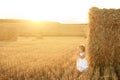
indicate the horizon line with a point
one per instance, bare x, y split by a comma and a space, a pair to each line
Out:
13, 19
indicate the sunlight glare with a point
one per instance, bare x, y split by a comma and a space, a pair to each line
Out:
65, 11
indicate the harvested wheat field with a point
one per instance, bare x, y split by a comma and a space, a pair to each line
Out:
49, 58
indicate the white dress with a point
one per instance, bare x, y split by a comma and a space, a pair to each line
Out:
82, 63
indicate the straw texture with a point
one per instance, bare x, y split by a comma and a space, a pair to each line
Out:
103, 48
8, 34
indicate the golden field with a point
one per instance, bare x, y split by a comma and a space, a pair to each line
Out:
49, 58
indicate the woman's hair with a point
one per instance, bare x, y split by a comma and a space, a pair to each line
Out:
82, 47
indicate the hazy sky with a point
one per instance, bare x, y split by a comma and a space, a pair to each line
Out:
66, 11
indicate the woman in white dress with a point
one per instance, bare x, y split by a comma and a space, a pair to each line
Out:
81, 61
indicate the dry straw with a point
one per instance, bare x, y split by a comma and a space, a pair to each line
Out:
103, 49
8, 33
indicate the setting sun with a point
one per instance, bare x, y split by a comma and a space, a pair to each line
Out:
59, 39
65, 11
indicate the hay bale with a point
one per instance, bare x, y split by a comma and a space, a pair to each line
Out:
8, 33
103, 48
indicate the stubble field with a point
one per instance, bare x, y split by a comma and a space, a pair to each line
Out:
49, 58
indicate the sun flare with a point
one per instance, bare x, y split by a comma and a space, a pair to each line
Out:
65, 11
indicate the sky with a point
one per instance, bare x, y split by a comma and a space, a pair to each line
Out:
64, 11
